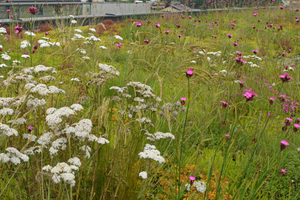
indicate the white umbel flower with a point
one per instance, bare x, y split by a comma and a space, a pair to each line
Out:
109, 69
76, 107
143, 175
200, 186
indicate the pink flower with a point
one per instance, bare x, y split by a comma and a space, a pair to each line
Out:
157, 25
18, 29
255, 51
249, 94
235, 44
146, 41
30, 128
8, 11
297, 20
119, 45
296, 127
189, 72
178, 25
138, 24
283, 171
224, 104
285, 77
285, 143
298, 149
297, 9
192, 178
167, 31
179, 35
46, 33
32, 10
289, 119
268, 115
229, 35
281, 7
227, 135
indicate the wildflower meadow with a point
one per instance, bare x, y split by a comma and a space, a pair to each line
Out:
170, 106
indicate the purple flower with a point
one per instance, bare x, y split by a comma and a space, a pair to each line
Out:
255, 51
229, 35
189, 72
146, 41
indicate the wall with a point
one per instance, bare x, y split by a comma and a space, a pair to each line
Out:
120, 8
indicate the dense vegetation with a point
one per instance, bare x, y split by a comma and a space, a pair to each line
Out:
171, 107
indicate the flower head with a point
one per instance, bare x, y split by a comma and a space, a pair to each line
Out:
138, 24
285, 77
30, 128
255, 51
224, 104
189, 72
229, 35
249, 94
283, 144
119, 45
157, 25
32, 10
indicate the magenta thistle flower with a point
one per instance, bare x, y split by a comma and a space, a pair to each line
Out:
283, 171
229, 35
46, 33
253, 27
297, 9
146, 41
192, 178
255, 51
32, 10
227, 135
167, 31
235, 44
138, 24
224, 104
297, 20
189, 72
249, 94
178, 25
8, 11
157, 25
179, 35
298, 149
119, 45
285, 77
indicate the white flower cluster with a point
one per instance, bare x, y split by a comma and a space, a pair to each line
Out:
118, 89
63, 171
151, 152
45, 139
78, 30
6, 111
109, 69
35, 103
42, 68
200, 186
4, 129
25, 44
2, 30
143, 175
5, 56
42, 89
253, 56
87, 150
252, 64
218, 53
81, 51
144, 120
18, 121
13, 155
60, 143
93, 38
159, 135
118, 37
77, 36
144, 90
54, 118
29, 33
